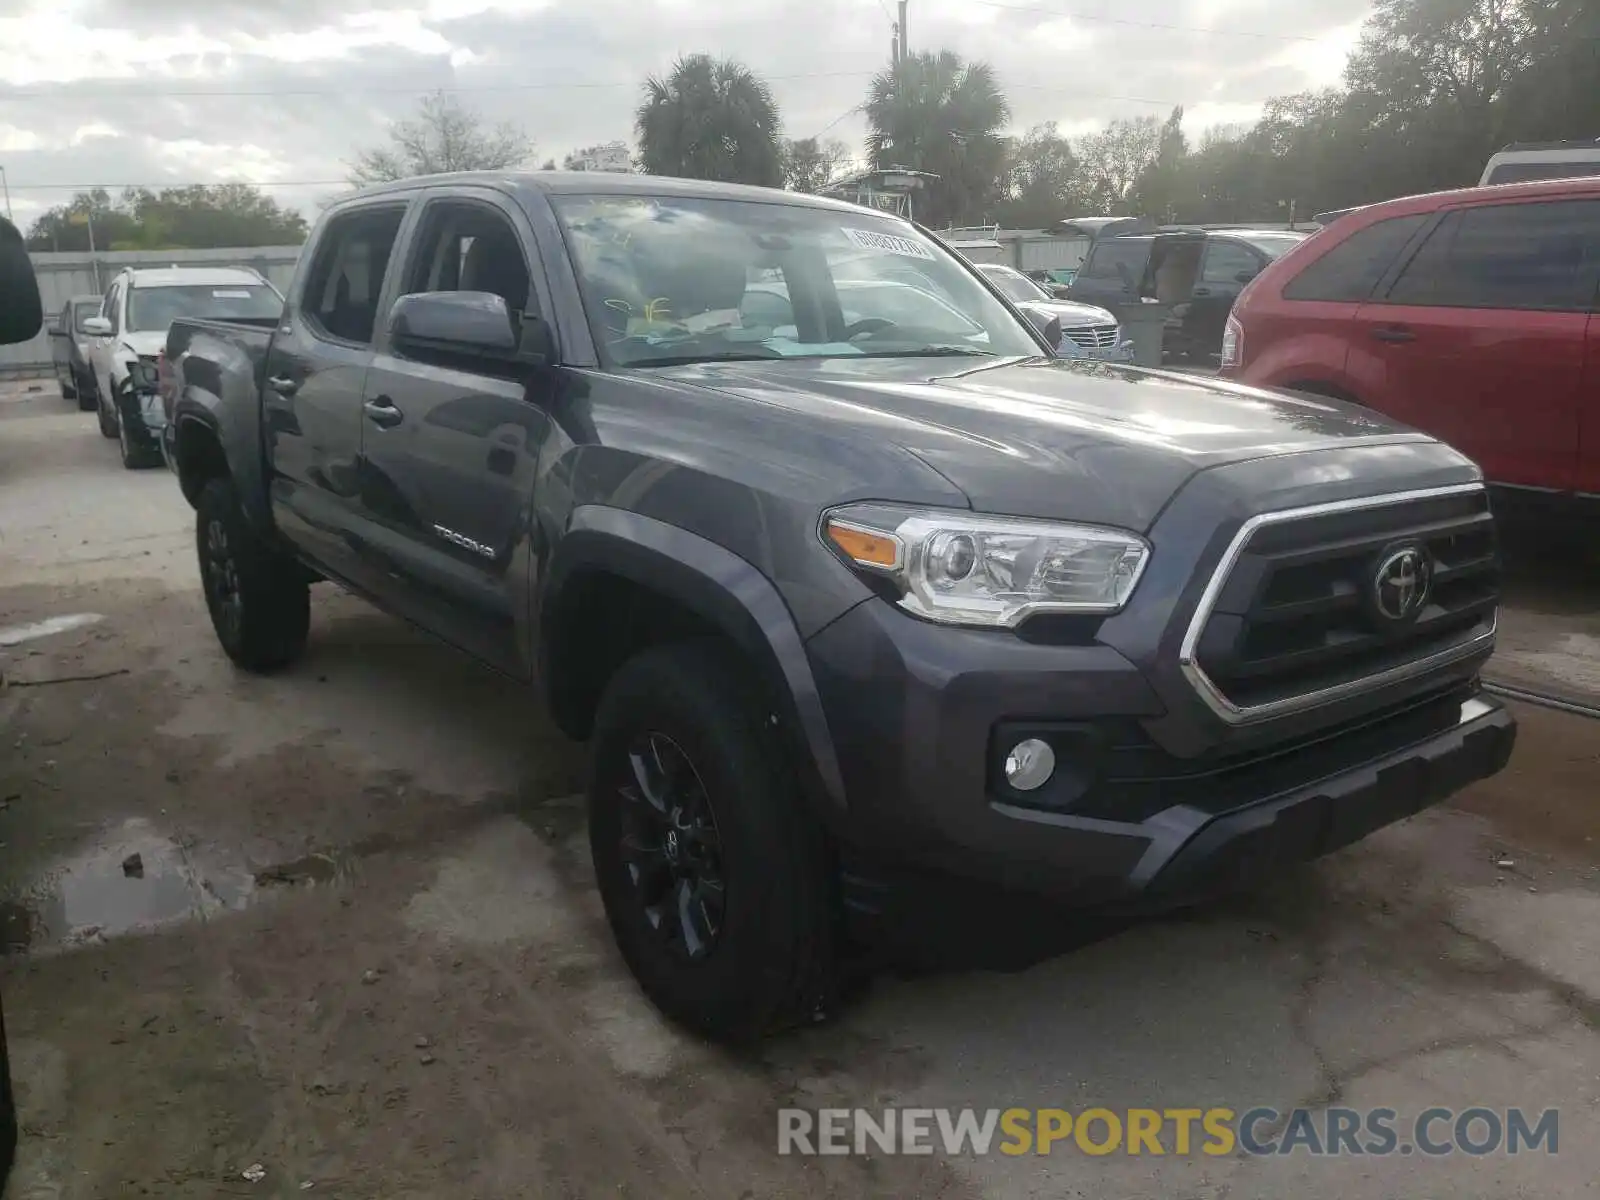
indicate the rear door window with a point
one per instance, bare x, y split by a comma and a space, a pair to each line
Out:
1537, 256
1227, 261
1121, 259
1351, 270
346, 277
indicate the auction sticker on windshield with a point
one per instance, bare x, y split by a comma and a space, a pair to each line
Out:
888, 243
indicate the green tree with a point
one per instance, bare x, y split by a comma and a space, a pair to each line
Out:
809, 164
199, 217
444, 135
1115, 158
710, 119
937, 113
1042, 181
1163, 187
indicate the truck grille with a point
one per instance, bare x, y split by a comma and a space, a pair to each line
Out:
1295, 616
1092, 337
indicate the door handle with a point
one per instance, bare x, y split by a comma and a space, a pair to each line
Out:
283, 385
1201, 291
1394, 335
381, 412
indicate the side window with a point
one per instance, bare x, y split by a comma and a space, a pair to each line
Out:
470, 247
1353, 268
1226, 261
1541, 256
346, 275
1109, 255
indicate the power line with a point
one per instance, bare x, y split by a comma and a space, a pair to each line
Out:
143, 91
1132, 24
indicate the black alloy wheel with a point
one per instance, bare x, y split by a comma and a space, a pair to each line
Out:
671, 848
222, 581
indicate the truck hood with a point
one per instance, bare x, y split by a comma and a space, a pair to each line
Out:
1092, 441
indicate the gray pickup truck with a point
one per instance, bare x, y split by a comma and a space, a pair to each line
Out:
873, 613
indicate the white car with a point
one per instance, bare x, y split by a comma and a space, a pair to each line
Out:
1093, 330
128, 336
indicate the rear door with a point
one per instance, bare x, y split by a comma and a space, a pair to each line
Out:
450, 447
1479, 338
1113, 271
1225, 269
311, 394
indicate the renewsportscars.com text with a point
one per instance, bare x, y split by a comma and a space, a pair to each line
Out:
1433, 1132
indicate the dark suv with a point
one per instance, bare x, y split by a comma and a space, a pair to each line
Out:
863, 604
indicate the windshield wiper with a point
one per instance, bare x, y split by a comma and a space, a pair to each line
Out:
929, 352
707, 356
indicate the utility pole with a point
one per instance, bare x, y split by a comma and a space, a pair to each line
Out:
5, 185
905, 46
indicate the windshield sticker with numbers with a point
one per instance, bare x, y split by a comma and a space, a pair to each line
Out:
886, 243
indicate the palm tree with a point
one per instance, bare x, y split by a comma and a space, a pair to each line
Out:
710, 119
936, 113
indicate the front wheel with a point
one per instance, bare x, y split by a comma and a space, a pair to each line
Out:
713, 875
108, 418
258, 598
134, 455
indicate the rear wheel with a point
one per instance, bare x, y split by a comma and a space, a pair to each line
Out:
713, 875
258, 598
84, 391
69, 390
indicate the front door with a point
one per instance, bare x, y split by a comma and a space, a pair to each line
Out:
450, 448
311, 388
1480, 339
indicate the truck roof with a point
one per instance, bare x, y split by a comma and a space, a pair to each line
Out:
143, 277
609, 183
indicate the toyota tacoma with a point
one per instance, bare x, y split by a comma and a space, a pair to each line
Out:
860, 597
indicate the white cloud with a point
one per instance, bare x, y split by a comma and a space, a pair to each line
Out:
287, 92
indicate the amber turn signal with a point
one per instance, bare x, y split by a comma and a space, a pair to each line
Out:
867, 547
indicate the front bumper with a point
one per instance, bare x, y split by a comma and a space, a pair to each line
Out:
922, 715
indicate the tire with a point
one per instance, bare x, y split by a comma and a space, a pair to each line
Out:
108, 419
69, 389
768, 960
259, 601
85, 394
134, 457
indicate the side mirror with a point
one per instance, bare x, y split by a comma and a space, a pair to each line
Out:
97, 326
21, 314
1048, 325
467, 323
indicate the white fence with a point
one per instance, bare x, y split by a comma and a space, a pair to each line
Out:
62, 276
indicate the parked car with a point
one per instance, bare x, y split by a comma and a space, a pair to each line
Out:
69, 347
1466, 314
1527, 162
131, 328
1090, 330
1197, 274
870, 626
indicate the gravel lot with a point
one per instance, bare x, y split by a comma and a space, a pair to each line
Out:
360, 945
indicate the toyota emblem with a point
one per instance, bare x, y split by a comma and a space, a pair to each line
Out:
1400, 584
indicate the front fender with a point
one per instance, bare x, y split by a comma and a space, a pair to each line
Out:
728, 593
216, 397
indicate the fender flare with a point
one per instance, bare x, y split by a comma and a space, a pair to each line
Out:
723, 589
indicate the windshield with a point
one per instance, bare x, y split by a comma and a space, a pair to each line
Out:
82, 311
669, 280
155, 308
1014, 285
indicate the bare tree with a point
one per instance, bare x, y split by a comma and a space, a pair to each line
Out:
1113, 159
445, 135
809, 164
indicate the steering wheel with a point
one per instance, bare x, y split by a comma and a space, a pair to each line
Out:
866, 325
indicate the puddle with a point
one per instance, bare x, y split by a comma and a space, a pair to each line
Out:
15, 635
92, 895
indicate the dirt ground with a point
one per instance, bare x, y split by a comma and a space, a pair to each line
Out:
360, 946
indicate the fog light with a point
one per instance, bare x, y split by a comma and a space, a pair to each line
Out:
1030, 764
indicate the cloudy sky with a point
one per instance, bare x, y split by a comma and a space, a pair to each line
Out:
284, 93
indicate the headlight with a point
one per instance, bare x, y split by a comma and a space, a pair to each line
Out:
968, 569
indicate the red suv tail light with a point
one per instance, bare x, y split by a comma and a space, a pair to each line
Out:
1232, 344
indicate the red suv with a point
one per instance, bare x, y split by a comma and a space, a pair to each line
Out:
1466, 314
